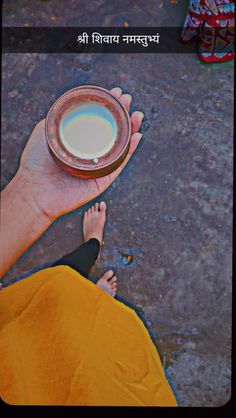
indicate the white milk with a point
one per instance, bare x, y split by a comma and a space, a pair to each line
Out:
88, 130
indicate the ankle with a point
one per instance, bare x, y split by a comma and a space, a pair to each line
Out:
93, 239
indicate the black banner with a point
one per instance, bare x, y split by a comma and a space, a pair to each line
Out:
95, 40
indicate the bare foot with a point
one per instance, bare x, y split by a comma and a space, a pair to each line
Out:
94, 221
108, 282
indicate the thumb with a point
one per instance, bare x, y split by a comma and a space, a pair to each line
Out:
135, 139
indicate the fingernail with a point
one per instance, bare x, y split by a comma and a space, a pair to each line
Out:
140, 136
129, 97
118, 88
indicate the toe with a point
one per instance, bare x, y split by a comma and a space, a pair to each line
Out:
113, 284
108, 275
113, 280
102, 206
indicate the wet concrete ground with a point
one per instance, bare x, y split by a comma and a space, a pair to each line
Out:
171, 208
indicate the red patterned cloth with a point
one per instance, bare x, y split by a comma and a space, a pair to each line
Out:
212, 22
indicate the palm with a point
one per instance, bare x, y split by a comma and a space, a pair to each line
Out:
56, 191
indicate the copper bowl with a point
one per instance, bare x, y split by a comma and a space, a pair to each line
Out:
88, 168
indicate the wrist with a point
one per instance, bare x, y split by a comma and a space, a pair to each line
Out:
22, 221
22, 195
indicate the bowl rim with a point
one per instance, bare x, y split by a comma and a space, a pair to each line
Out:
78, 166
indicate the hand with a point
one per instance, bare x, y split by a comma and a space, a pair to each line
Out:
53, 190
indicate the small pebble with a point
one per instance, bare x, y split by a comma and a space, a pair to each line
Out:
69, 225
126, 258
13, 94
140, 308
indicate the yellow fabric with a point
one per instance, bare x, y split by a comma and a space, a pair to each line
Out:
64, 341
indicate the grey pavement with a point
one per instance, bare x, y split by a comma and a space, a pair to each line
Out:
171, 208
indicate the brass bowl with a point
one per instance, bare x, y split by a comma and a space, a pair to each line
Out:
88, 168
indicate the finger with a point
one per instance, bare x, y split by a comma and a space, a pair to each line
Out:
38, 130
116, 92
126, 99
136, 120
135, 139
41, 124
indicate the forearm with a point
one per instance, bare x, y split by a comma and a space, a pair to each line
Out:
22, 222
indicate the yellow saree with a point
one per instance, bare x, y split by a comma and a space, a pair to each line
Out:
64, 341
